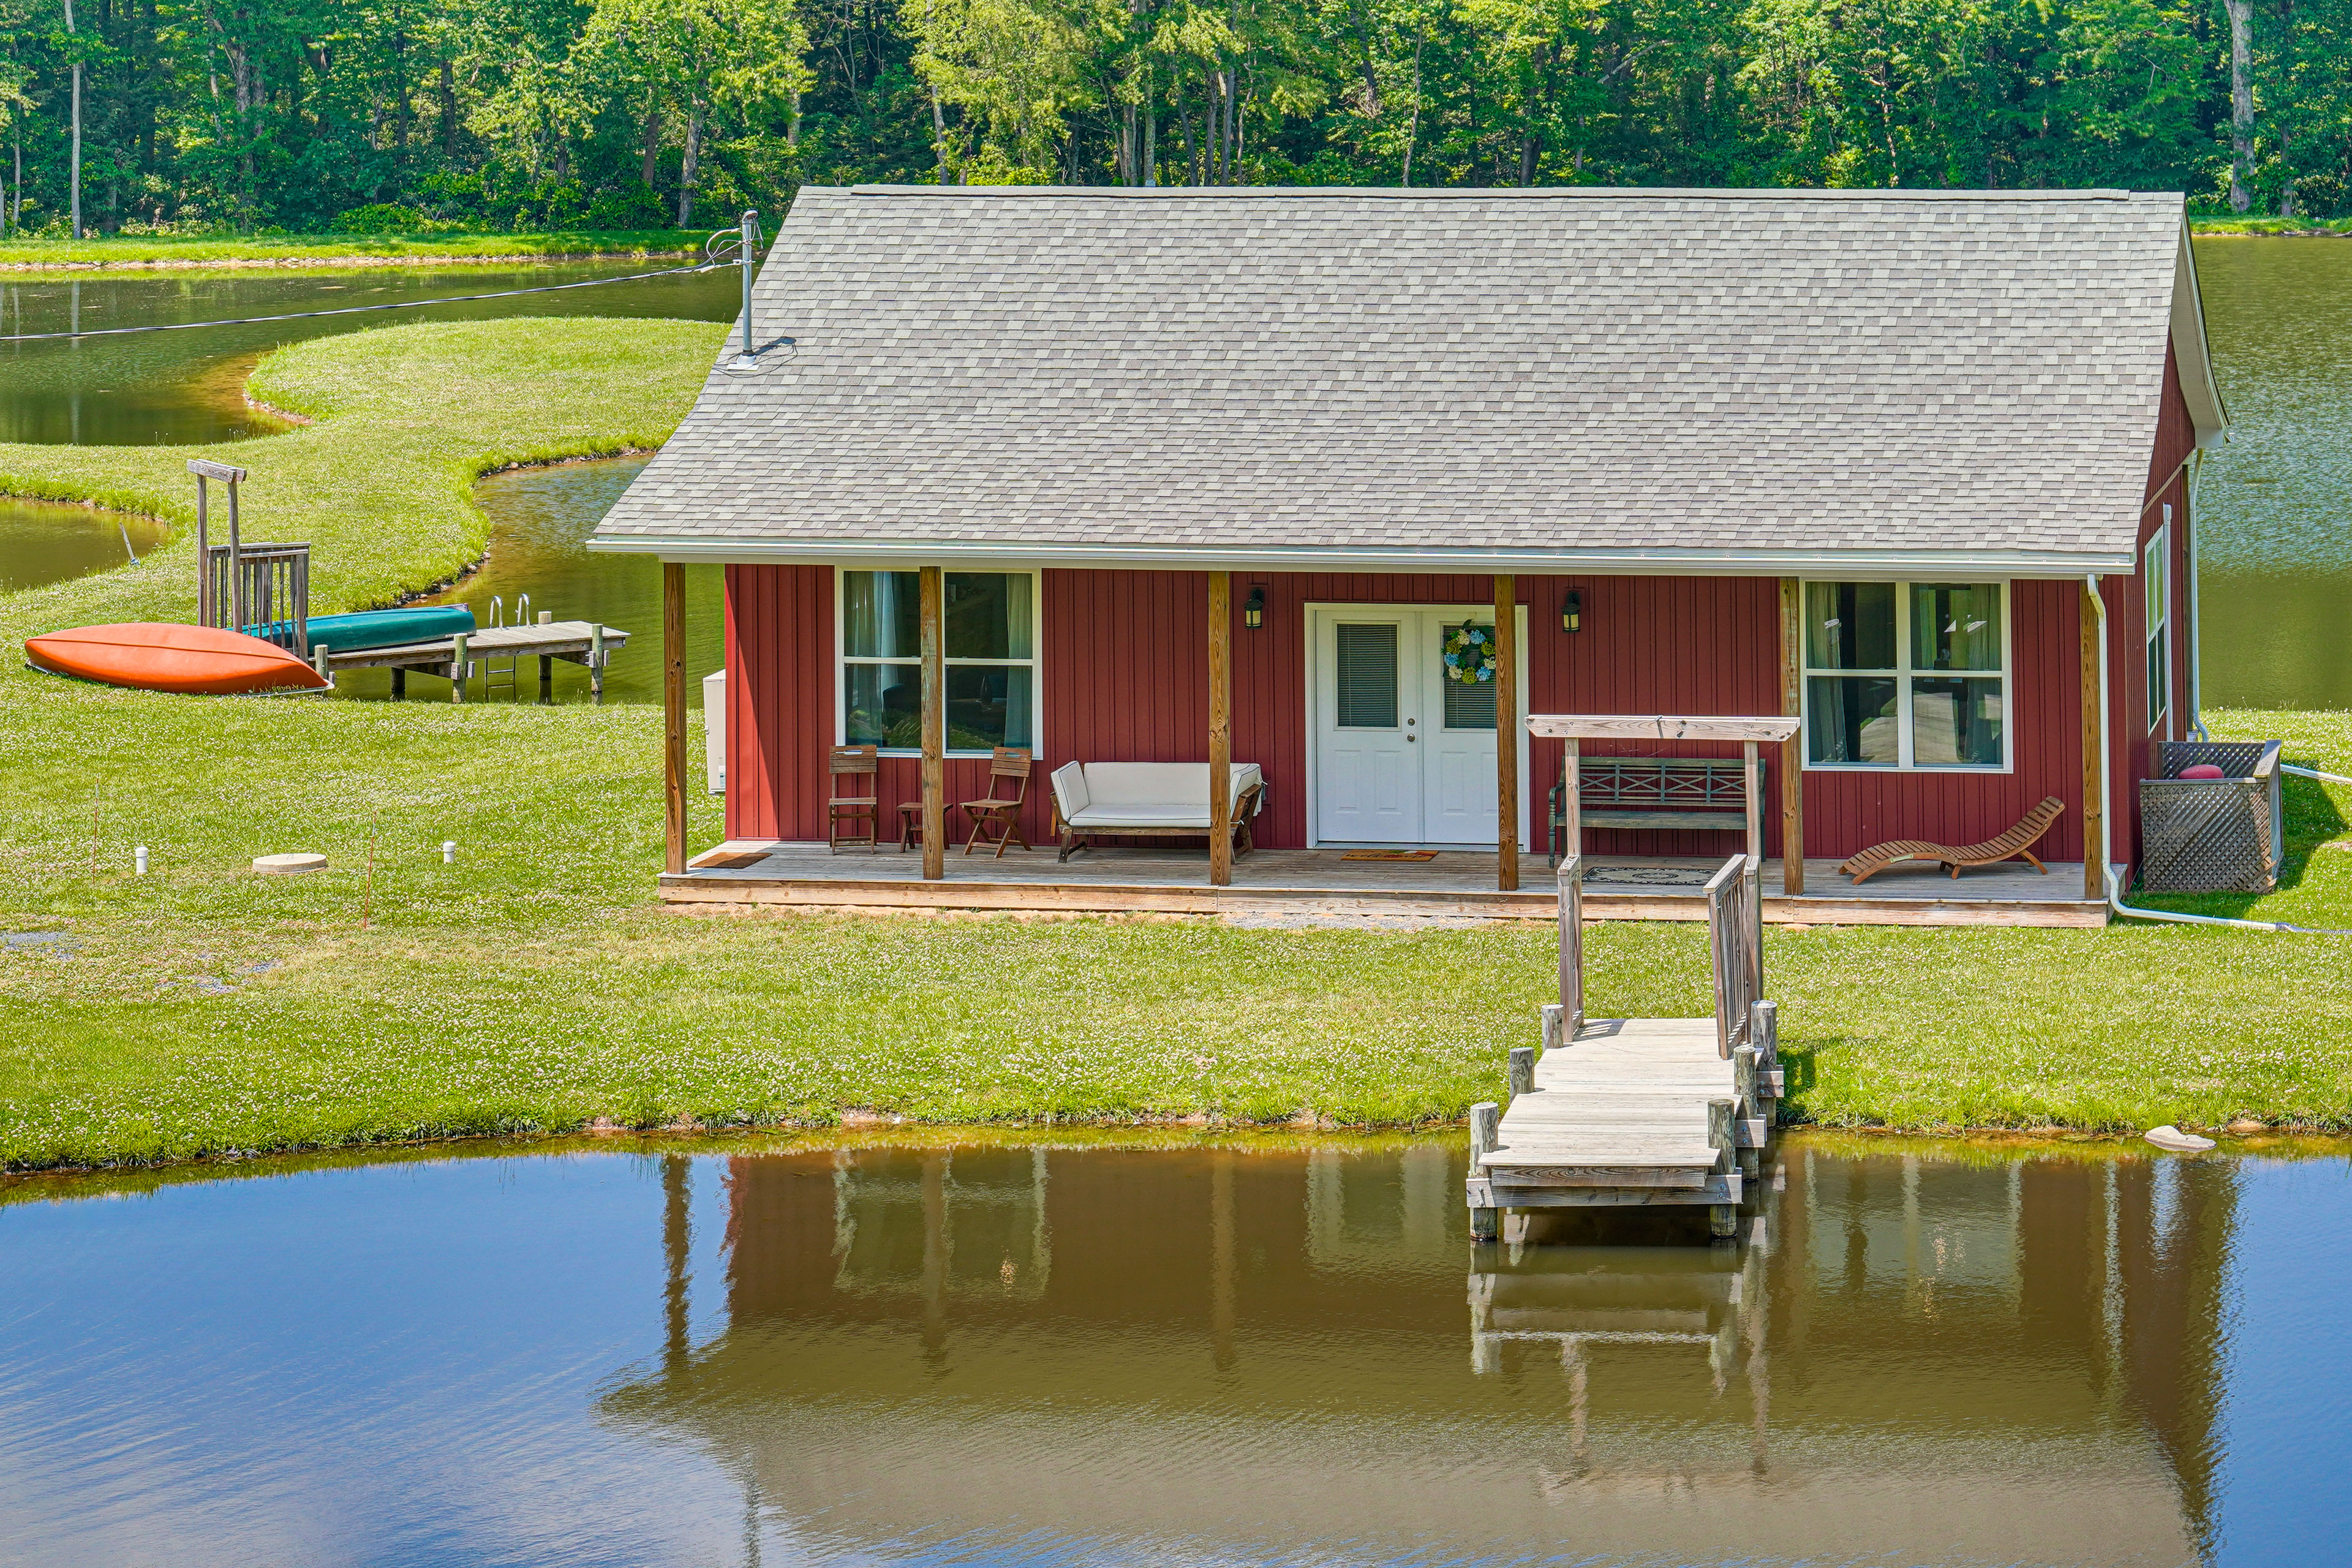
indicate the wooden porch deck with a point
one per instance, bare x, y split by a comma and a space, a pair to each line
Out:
1305, 882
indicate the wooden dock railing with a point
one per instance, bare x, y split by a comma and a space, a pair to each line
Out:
1570, 1019
1735, 940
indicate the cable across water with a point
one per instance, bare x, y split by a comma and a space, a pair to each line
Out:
356, 310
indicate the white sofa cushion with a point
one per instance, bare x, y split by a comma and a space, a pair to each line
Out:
1146, 794
1070, 789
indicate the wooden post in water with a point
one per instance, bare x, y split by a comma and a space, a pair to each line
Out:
935, 729
1722, 1219
1507, 732
1743, 1083
457, 668
1220, 729
674, 716
1486, 1131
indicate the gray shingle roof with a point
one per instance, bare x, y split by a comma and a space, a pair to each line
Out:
1432, 377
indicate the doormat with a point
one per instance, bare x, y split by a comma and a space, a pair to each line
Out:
1390, 855
1646, 876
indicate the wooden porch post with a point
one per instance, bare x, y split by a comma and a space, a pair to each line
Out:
1220, 729
1507, 732
2094, 813
1792, 749
935, 732
673, 711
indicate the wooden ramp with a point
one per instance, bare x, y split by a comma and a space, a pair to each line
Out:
1623, 1111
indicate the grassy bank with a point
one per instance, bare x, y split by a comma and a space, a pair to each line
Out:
328, 251
533, 985
2313, 227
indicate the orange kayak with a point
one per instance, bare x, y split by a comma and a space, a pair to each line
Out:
161, 656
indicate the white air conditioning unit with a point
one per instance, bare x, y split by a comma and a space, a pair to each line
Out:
714, 729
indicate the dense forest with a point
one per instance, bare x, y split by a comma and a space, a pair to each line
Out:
311, 115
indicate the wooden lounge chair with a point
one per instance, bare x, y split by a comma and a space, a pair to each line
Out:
1002, 815
2009, 846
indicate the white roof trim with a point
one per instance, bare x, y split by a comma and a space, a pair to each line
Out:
1827, 564
2192, 355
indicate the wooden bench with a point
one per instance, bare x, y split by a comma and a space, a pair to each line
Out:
1678, 794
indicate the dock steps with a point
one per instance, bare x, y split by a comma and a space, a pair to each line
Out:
1629, 1111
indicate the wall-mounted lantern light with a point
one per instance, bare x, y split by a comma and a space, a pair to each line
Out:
1253, 610
1572, 612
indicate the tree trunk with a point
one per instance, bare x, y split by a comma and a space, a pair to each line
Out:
1413, 125
1150, 133
400, 116
1184, 125
1528, 155
653, 141
793, 126
688, 165
449, 112
74, 177
2242, 103
939, 131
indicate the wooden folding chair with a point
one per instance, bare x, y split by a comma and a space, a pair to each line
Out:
1005, 816
861, 766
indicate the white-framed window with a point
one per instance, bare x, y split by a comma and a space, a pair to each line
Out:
2154, 563
1907, 675
988, 624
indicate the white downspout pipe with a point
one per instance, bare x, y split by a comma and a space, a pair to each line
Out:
2107, 798
2194, 523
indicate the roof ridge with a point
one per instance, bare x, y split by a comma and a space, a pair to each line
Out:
1395, 193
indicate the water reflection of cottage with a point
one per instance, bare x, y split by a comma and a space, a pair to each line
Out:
1106, 1354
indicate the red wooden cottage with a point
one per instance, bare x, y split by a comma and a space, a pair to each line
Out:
1231, 474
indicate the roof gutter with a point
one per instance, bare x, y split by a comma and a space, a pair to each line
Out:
1842, 564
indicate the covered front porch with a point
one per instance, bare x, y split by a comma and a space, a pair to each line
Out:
1310, 884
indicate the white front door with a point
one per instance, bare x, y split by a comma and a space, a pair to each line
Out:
1366, 727
1402, 753
1457, 797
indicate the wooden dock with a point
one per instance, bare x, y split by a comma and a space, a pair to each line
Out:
1623, 1112
457, 659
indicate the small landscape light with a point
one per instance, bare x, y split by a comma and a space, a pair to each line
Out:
1253, 610
448, 852
1572, 612
139, 859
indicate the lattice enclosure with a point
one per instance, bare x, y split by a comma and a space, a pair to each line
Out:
2212, 835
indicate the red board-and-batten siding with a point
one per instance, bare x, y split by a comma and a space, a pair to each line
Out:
1126, 680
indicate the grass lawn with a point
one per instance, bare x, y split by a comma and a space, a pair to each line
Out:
533, 985
327, 249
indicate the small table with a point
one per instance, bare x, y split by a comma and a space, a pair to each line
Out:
910, 824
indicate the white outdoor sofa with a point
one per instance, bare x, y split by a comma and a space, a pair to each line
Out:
1147, 800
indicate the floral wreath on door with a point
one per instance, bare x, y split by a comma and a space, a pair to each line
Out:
1470, 653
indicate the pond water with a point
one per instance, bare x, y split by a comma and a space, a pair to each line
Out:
1253, 1353
44, 544
541, 520
188, 387
2277, 554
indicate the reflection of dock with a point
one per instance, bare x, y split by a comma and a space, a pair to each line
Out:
454, 660
1552, 1299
